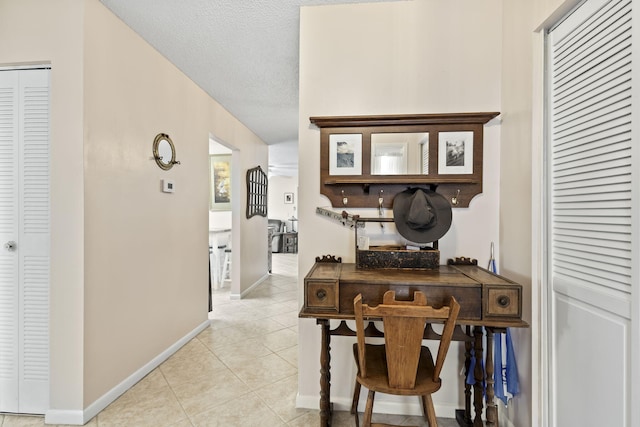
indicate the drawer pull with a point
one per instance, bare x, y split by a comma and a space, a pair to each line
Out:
321, 294
503, 301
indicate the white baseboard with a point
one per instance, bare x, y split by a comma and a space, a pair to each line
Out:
60, 416
503, 418
409, 406
252, 287
81, 417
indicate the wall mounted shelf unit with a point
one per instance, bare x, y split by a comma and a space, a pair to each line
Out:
366, 160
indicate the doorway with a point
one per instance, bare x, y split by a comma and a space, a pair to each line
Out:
224, 222
25, 237
282, 206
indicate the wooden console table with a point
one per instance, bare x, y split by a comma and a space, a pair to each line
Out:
486, 300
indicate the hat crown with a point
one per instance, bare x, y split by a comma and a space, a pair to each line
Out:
421, 216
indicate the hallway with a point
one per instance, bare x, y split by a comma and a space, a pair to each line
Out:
239, 372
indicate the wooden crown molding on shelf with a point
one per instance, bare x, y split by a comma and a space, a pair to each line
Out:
403, 119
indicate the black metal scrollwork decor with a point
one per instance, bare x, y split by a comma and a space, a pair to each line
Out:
257, 184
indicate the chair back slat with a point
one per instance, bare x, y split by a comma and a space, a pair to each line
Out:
357, 308
402, 338
445, 339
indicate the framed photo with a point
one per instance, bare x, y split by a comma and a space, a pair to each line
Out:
288, 198
455, 153
220, 182
345, 154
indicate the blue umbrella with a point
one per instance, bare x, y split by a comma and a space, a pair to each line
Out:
492, 262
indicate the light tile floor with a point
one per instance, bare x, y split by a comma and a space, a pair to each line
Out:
239, 372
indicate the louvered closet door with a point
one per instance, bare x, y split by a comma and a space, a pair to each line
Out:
589, 217
24, 240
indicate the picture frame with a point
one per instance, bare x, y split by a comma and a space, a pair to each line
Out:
455, 153
345, 154
288, 198
220, 182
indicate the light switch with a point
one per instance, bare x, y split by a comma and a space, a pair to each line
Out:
168, 186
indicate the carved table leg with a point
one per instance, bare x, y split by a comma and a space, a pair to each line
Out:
325, 374
478, 374
463, 417
492, 409
467, 386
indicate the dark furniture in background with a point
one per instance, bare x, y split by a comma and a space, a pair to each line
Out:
282, 241
290, 242
278, 228
269, 253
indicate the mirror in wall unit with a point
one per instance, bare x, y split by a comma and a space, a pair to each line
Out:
367, 158
164, 152
400, 153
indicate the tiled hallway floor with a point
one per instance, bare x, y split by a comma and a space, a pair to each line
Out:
241, 371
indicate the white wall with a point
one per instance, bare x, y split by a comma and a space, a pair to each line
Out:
156, 243
129, 265
278, 209
515, 195
391, 58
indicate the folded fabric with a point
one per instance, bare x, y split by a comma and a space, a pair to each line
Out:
505, 368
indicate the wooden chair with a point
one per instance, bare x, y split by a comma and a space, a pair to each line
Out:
401, 366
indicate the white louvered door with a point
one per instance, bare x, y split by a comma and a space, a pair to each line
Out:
589, 215
24, 240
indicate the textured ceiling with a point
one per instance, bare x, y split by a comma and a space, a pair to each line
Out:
244, 53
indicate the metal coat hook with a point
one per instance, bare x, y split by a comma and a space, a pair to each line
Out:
380, 211
454, 199
345, 200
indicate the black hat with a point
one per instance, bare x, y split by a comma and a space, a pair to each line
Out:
421, 215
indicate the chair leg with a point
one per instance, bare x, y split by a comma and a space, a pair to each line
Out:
356, 398
366, 422
429, 412
424, 407
354, 404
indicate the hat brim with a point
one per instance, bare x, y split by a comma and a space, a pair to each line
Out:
440, 206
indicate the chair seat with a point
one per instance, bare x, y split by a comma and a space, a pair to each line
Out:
377, 375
